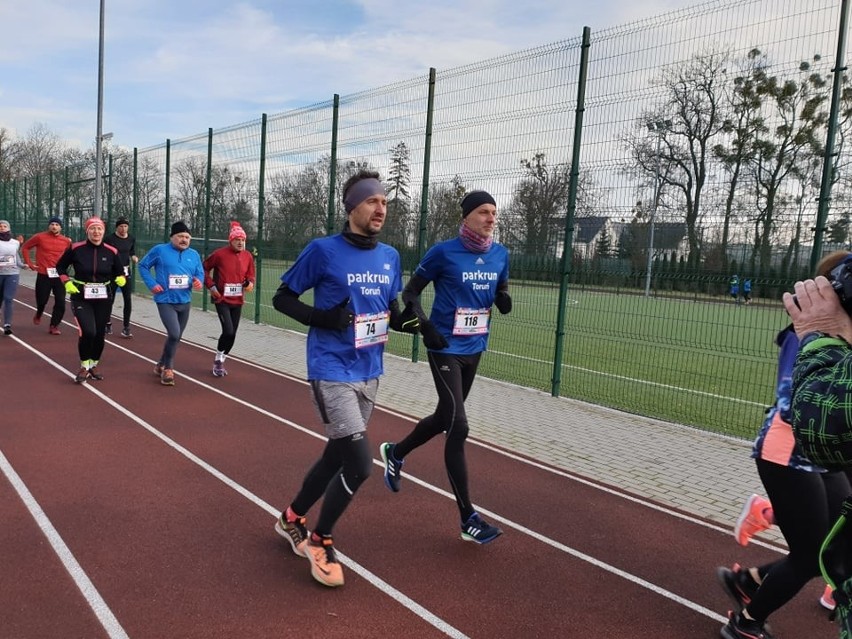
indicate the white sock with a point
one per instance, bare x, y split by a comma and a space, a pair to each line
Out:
220, 356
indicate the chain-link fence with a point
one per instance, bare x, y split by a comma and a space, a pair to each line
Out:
637, 171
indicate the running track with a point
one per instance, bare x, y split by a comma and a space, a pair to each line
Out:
130, 509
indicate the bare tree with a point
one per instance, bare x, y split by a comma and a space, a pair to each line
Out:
695, 103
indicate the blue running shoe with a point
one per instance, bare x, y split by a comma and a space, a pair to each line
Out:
479, 531
393, 467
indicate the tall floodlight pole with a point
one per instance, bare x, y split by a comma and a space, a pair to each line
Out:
99, 137
659, 127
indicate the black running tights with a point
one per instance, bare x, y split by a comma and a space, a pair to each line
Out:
806, 505
453, 376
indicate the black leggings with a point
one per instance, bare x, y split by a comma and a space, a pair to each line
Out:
345, 465
229, 318
806, 505
127, 296
44, 286
453, 376
91, 316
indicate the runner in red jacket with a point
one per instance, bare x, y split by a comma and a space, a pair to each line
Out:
49, 246
229, 274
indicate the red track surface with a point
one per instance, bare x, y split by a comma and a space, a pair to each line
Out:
175, 550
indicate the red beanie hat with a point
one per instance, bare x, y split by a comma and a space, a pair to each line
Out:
95, 221
236, 232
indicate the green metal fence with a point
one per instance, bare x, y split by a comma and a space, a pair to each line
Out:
635, 169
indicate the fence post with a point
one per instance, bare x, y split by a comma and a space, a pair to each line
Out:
166, 220
332, 170
109, 211
135, 212
828, 161
567, 250
261, 212
207, 196
424, 192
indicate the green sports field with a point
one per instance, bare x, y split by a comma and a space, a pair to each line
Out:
704, 362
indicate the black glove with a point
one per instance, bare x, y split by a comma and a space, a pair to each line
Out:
406, 321
337, 318
432, 339
503, 302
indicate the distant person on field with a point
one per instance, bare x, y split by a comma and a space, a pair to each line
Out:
229, 275
804, 501
470, 274
49, 246
11, 264
355, 281
95, 265
747, 290
734, 287
177, 271
125, 244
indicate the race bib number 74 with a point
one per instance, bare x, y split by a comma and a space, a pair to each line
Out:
371, 329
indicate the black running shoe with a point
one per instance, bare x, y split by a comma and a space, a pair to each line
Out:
738, 583
738, 627
393, 467
7, 330
479, 531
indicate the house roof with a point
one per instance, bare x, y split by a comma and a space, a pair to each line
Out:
669, 235
586, 229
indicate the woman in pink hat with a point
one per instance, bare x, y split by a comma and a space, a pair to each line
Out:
95, 266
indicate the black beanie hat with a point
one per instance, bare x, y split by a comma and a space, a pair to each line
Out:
179, 227
122, 220
475, 199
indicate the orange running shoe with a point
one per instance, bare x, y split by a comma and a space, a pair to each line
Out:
827, 599
294, 532
168, 377
752, 519
324, 565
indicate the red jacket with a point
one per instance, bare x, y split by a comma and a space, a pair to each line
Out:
229, 268
49, 248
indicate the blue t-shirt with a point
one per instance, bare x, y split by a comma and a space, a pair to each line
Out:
371, 279
465, 286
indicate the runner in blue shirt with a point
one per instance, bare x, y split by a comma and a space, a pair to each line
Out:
355, 281
177, 272
470, 274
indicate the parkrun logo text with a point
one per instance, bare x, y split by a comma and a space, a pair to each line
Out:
368, 278
479, 280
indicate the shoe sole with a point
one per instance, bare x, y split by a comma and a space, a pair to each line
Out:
388, 483
744, 513
297, 548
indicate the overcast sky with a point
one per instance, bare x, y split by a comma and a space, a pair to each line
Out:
173, 68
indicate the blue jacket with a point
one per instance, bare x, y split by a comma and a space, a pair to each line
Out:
174, 270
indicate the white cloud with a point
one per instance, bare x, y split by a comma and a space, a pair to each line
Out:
175, 67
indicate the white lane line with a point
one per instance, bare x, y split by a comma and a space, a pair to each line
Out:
546, 540
87, 588
376, 581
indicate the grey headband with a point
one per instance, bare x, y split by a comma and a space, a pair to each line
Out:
360, 191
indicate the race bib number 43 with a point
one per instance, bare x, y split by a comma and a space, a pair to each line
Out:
471, 321
95, 291
371, 329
